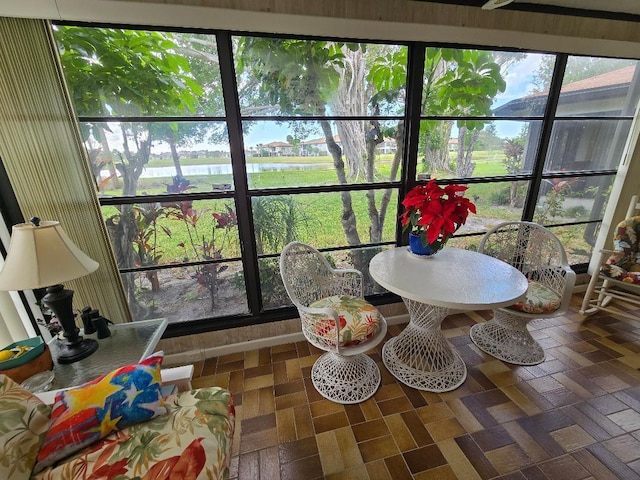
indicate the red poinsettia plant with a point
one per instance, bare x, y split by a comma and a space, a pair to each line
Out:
434, 212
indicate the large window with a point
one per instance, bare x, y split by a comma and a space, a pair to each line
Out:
211, 151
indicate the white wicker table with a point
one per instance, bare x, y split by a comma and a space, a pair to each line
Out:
431, 288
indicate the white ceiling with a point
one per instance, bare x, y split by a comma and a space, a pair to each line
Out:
620, 6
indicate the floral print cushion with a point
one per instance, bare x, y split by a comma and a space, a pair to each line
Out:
624, 264
191, 442
359, 320
24, 420
539, 299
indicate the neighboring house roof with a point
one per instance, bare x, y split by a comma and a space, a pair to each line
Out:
320, 141
276, 144
616, 77
606, 86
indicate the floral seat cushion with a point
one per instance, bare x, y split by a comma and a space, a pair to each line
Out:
624, 264
539, 299
192, 441
24, 421
359, 320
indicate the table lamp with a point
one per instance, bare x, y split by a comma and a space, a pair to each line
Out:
41, 255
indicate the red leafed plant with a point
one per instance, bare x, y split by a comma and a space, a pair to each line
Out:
434, 212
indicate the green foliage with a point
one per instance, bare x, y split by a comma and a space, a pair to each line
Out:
500, 196
294, 74
388, 75
461, 82
553, 204
578, 68
277, 221
513, 155
127, 72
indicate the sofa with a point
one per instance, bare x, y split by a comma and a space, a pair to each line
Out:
188, 436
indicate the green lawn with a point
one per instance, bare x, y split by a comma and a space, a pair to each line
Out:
320, 214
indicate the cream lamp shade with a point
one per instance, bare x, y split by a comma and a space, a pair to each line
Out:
41, 256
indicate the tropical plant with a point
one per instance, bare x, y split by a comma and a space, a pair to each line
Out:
553, 204
146, 239
126, 73
513, 155
201, 247
278, 220
205, 249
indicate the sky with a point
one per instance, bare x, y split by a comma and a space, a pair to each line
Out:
518, 84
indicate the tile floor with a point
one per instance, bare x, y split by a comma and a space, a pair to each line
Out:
575, 416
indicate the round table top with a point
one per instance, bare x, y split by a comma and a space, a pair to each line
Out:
454, 278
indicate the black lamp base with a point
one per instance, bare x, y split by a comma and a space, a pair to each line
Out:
72, 353
74, 347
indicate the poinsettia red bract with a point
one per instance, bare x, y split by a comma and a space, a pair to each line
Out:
435, 212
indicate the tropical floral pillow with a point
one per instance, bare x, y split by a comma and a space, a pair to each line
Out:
85, 414
624, 264
24, 420
191, 442
359, 320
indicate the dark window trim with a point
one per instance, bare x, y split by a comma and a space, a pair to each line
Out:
242, 194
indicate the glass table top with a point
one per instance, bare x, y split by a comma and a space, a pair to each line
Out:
128, 344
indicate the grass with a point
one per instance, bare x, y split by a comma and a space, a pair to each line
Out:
321, 212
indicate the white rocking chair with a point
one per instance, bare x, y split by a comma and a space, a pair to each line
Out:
335, 318
539, 255
617, 279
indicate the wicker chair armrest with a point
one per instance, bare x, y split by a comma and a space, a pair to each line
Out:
570, 281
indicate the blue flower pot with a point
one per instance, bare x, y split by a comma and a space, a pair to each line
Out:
417, 248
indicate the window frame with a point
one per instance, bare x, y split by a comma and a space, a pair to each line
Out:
242, 194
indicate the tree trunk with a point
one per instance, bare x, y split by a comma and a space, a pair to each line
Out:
464, 165
395, 166
174, 155
350, 99
373, 138
122, 236
437, 148
115, 182
348, 219
123, 231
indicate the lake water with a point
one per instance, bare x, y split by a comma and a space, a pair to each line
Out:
224, 169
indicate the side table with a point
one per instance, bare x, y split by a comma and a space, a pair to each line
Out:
129, 343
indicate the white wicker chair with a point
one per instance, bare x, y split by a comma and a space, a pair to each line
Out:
344, 374
540, 256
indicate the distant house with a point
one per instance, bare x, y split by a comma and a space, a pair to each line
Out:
453, 144
387, 146
593, 144
276, 149
612, 93
316, 146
